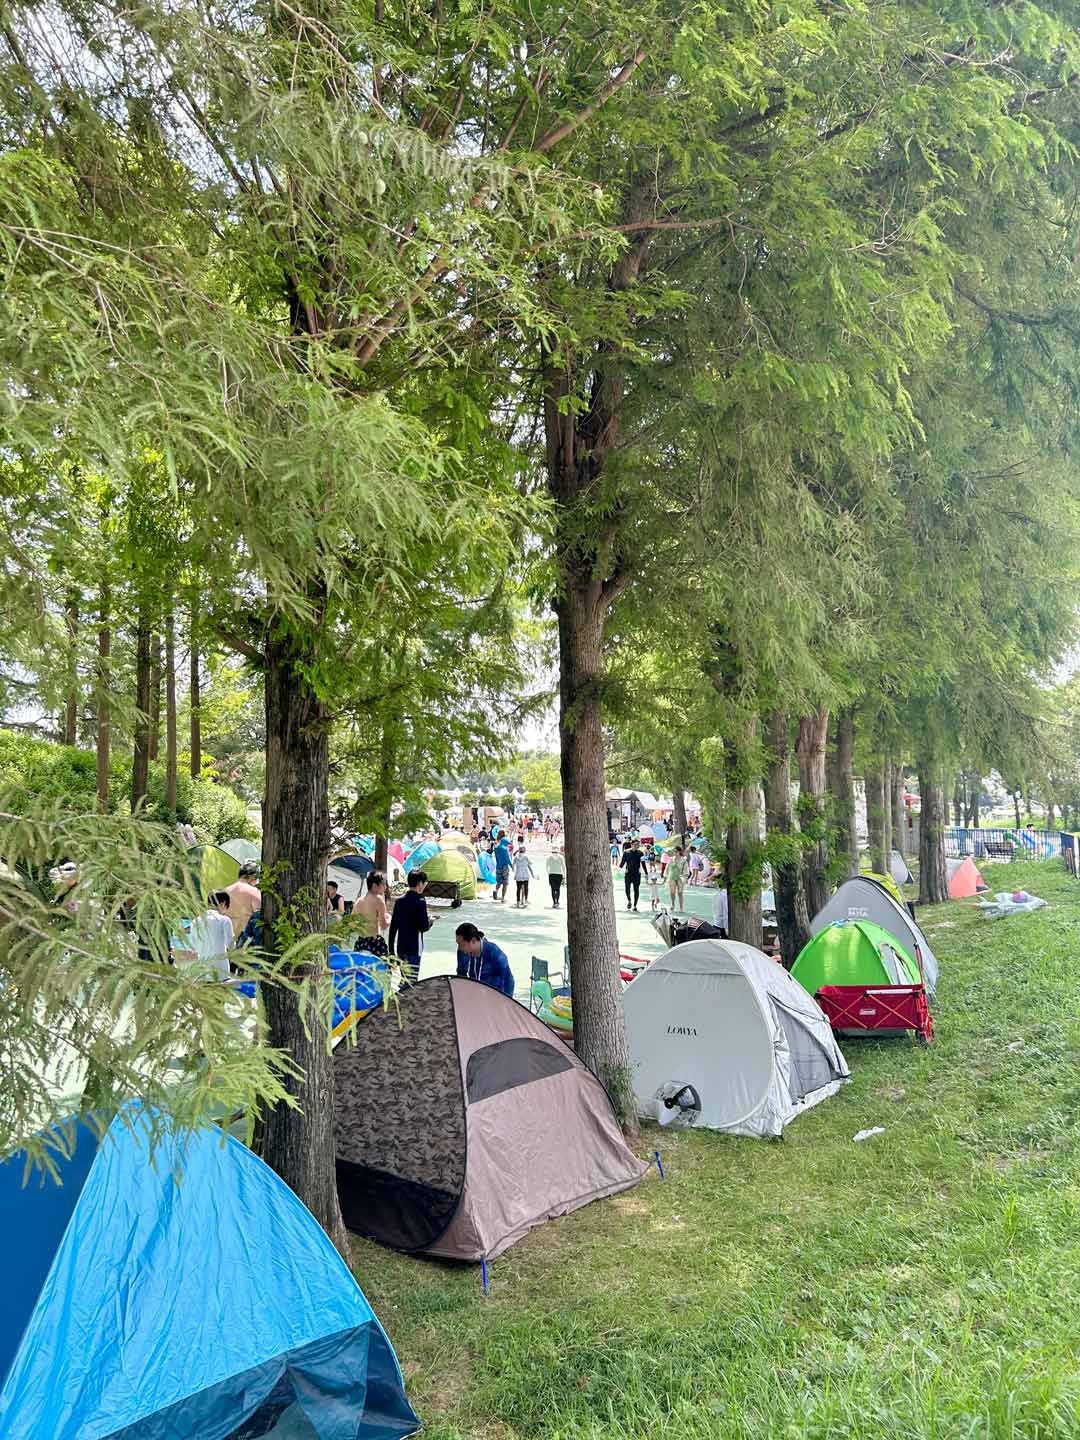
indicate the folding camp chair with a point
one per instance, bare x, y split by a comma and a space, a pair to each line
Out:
540, 971
540, 994
541, 989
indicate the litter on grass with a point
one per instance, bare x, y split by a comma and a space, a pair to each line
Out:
866, 1134
1009, 902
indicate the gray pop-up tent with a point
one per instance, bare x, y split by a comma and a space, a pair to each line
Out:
719, 1031
898, 869
866, 899
466, 1122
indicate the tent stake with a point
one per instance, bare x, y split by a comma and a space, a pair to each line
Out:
483, 1274
659, 1165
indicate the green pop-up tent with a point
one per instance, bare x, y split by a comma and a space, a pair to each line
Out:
854, 952
213, 867
452, 865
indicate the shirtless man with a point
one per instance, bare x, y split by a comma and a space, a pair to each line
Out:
244, 896
370, 915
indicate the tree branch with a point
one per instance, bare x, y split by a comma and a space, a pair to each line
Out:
560, 132
1015, 317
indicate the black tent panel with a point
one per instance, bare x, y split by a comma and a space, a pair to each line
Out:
395, 1211
399, 1121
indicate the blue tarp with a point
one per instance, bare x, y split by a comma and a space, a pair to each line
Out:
357, 986
189, 1292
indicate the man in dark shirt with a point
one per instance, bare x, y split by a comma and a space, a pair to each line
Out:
631, 863
409, 920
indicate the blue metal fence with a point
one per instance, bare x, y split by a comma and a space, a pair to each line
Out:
1002, 844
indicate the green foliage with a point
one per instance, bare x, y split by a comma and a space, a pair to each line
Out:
38, 772
232, 723
788, 290
541, 781
35, 773
90, 1012
218, 813
155, 807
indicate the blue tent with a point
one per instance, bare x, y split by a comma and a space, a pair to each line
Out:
357, 864
184, 1293
358, 986
416, 857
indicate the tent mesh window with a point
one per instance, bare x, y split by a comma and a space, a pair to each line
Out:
508, 1063
399, 1126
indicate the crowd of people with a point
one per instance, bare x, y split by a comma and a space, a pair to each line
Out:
673, 868
395, 930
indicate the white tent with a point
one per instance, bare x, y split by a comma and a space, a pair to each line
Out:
719, 1022
650, 803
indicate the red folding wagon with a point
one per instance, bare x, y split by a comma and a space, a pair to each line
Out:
888, 1009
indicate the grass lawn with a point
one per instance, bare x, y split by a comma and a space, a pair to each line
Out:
920, 1284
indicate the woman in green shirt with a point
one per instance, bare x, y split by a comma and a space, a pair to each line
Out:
676, 878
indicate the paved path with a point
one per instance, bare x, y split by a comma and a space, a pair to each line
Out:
541, 930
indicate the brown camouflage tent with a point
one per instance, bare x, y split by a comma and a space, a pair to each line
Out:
465, 1123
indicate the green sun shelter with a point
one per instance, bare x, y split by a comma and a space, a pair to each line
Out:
854, 952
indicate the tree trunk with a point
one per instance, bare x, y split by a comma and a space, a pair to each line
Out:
886, 813
599, 1029
140, 765
842, 788
813, 810
933, 883
170, 714
744, 838
1051, 823
875, 817
156, 670
298, 1143
793, 924
1016, 808
577, 444
958, 801
899, 810
103, 706
974, 784
679, 815
71, 708
386, 799
196, 701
